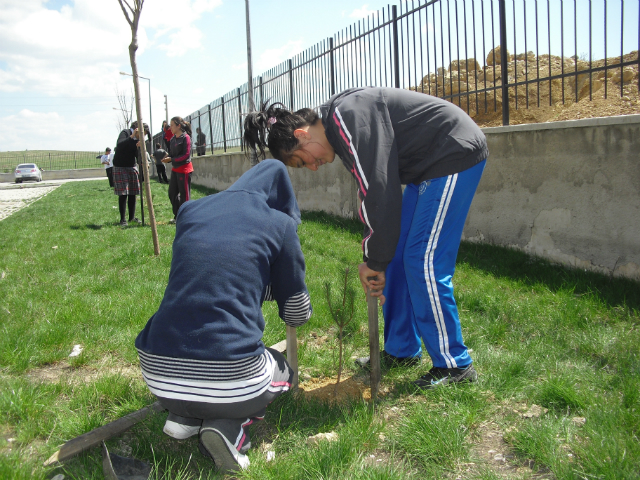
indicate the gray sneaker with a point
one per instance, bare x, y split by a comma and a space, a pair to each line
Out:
443, 376
215, 444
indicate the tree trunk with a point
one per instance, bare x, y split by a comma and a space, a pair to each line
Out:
143, 148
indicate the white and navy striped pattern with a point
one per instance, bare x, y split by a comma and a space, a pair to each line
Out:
206, 380
268, 295
297, 309
429, 270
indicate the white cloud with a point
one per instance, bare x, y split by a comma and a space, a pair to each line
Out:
363, 12
273, 56
46, 128
77, 51
174, 19
80, 47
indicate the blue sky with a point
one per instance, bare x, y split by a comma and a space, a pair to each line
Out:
60, 59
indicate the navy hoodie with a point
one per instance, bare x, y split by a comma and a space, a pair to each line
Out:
228, 249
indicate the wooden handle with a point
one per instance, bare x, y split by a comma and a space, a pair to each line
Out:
374, 343
292, 354
94, 437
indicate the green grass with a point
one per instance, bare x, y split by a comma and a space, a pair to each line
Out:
49, 159
564, 339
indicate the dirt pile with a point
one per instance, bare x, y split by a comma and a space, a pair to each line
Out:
582, 95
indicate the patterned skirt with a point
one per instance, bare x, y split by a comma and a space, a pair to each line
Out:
126, 181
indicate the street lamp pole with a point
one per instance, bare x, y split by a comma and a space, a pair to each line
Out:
150, 120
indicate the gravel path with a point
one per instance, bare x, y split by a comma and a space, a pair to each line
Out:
13, 199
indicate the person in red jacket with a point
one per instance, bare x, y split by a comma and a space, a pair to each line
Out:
166, 134
180, 158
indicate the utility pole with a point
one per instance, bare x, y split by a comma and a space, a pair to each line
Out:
252, 106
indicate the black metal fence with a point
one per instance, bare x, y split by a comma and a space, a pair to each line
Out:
51, 160
556, 51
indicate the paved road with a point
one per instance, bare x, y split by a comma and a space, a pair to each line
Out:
13, 196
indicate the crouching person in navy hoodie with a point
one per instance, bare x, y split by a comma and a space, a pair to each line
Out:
202, 353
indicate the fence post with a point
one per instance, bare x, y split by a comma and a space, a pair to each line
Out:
240, 118
503, 61
291, 83
75, 163
261, 93
396, 51
49, 160
210, 129
224, 129
333, 69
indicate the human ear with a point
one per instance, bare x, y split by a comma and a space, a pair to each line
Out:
302, 135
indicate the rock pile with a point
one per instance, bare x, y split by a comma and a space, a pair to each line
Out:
485, 107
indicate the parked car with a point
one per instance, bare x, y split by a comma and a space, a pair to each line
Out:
28, 171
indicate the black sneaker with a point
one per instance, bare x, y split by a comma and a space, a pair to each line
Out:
123, 223
215, 445
389, 361
135, 220
438, 376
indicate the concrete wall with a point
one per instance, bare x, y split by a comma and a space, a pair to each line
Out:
61, 174
330, 189
566, 191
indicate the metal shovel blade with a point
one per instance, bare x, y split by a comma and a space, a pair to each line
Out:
116, 467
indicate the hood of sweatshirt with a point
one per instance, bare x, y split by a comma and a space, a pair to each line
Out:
270, 180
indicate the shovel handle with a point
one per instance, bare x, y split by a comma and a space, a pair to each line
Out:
374, 342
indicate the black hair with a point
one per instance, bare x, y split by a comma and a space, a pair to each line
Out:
184, 126
134, 125
273, 126
107, 149
157, 145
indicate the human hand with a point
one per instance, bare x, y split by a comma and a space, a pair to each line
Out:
135, 134
374, 281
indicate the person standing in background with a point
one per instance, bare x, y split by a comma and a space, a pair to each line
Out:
125, 171
159, 154
107, 161
201, 142
166, 135
180, 158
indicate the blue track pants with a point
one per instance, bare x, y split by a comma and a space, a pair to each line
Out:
419, 288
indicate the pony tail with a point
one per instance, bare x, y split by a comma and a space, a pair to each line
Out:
186, 126
256, 128
273, 127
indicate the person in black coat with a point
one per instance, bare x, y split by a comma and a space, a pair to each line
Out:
125, 171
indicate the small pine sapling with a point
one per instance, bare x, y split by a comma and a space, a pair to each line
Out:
342, 314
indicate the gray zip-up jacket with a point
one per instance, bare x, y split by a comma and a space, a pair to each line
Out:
387, 137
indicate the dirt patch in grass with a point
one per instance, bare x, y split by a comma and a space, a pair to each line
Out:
491, 454
324, 389
63, 370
